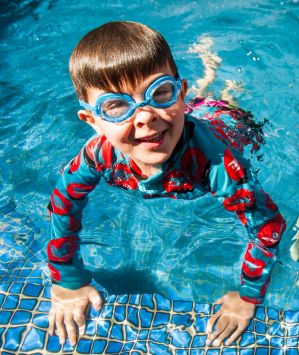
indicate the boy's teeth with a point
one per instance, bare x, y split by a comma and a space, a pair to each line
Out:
156, 137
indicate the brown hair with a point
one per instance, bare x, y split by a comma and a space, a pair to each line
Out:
115, 54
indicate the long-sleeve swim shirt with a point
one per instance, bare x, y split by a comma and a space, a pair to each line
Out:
207, 159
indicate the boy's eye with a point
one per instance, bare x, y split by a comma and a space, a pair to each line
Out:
115, 108
163, 93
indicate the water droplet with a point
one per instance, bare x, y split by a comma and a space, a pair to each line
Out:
240, 69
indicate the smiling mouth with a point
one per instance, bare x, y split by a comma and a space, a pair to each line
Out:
154, 138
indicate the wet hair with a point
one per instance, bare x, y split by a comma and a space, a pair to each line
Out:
118, 54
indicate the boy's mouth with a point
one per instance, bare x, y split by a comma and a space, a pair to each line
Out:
153, 138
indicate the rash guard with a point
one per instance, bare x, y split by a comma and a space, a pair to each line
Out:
207, 159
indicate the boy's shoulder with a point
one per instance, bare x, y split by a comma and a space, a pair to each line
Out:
218, 120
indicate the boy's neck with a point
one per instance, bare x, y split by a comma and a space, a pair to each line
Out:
147, 170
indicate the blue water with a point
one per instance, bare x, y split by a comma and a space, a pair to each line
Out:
189, 250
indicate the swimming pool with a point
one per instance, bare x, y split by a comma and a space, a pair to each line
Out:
257, 43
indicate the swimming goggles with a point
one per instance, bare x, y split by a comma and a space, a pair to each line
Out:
115, 108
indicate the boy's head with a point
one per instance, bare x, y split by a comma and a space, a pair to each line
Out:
117, 55
132, 64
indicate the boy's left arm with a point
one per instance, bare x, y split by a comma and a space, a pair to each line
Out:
233, 183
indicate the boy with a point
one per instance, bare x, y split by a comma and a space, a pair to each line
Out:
128, 84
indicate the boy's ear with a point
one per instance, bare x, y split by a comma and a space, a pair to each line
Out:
86, 116
184, 88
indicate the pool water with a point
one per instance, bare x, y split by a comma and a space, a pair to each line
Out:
145, 246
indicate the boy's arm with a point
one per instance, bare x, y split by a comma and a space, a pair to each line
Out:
70, 292
67, 201
233, 183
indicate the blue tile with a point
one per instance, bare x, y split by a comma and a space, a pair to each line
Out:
161, 319
247, 339
114, 347
84, 346
90, 328
47, 292
197, 352
262, 340
143, 334
292, 352
182, 306
158, 348
11, 302
160, 335
262, 351
202, 308
200, 324
28, 304
246, 351
134, 300
292, 342
131, 333
13, 338
53, 344
128, 346
147, 301
276, 341
184, 319
98, 346
141, 346
260, 313
212, 352
229, 351
293, 330
146, 318
277, 352
120, 313
103, 327
41, 320
4, 317
163, 304
67, 347
34, 340
122, 299
180, 338
1, 299
273, 314
198, 341
21, 317
107, 311
44, 306
16, 288
116, 332
32, 290
133, 315
1, 332
260, 327
291, 316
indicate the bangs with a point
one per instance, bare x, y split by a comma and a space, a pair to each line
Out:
118, 55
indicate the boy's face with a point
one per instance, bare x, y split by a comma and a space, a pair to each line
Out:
151, 134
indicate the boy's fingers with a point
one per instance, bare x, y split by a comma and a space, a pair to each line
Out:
61, 332
95, 299
228, 331
70, 328
234, 336
79, 318
51, 318
211, 322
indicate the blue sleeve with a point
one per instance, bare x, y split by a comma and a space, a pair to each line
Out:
238, 189
67, 201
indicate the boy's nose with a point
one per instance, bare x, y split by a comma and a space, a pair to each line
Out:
143, 116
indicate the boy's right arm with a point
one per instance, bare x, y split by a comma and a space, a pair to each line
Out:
70, 290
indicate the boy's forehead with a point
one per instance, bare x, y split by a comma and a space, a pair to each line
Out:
128, 87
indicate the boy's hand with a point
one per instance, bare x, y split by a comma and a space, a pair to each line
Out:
232, 319
68, 307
